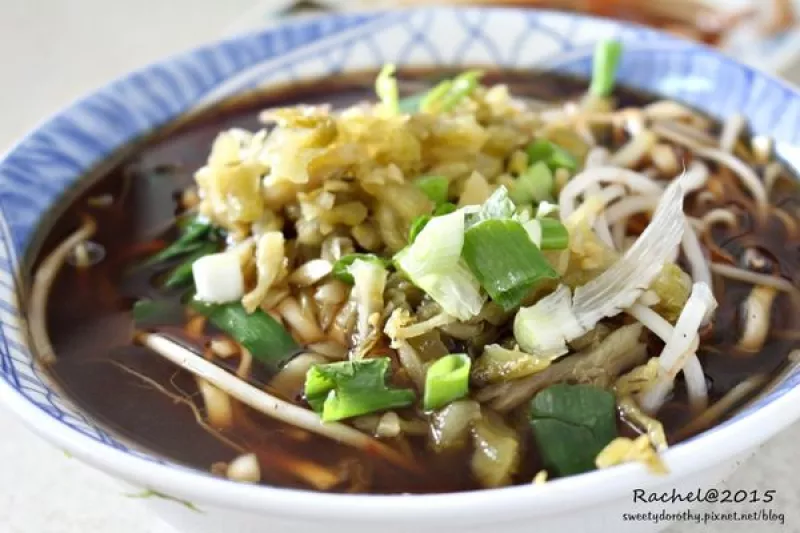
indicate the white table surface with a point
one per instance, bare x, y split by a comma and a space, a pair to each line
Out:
52, 51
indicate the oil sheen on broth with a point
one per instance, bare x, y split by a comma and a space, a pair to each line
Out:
91, 326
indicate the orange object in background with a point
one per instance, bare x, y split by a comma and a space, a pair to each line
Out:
694, 19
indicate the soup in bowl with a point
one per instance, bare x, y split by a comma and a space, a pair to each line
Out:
399, 289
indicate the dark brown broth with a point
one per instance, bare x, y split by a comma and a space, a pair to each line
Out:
90, 323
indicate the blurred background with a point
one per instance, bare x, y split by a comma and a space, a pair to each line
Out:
52, 51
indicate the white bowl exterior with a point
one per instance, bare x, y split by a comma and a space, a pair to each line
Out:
42, 167
598, 518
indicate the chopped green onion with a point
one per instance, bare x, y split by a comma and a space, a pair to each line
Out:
268, 342
505, 260
419, 223
341, 267
387, 91
353, 388
434, 187
444, 209
429, 101
433, 263
604, 69
554, 234
148, 313
182, 274
447, 380
534, 185
571, 425
193, 232
551, 154
498, 206
449, 93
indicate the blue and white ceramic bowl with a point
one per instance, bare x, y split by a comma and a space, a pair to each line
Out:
42, 167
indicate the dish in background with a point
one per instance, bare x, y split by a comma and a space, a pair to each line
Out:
764, 33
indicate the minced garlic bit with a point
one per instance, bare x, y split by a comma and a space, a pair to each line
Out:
625, 450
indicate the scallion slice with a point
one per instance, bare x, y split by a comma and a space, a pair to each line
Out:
447, 380
434, 187
444, 209
353, 388
433, 263
534, 185
448, 94
191, 235
505, 260
148, 313
607, 54
498, 206
387, 91
551, 154
268, 342
554, 234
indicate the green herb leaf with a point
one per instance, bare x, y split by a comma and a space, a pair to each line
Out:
434, 187
268, 342
353, 388
182, 274
341, 267
505, 261
447, 380
604, 69
571, 425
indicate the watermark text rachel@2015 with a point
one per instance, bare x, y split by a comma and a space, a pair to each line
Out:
705, 496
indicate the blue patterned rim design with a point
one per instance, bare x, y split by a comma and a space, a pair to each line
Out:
44, 165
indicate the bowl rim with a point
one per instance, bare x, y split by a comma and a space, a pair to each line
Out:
707, 450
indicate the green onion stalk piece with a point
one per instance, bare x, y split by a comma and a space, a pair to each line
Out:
447, 380
434, 187
604, 69
268, 342
387, 91
181, 276
551, 154
448, 94
554, 234
505, 261
192, 235
433, 263
149, 313
353, 388
534, 185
